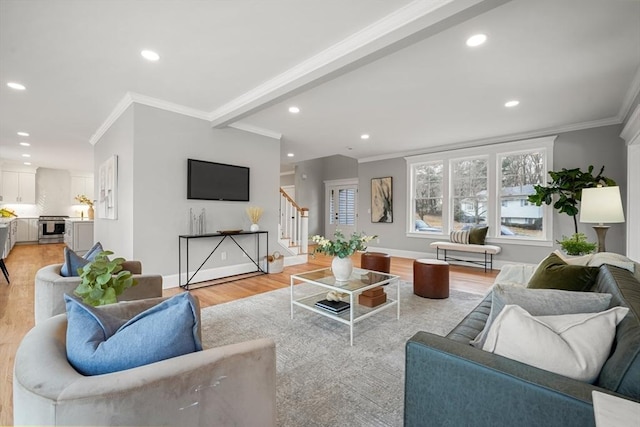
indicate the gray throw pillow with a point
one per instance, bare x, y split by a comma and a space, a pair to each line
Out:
541, 302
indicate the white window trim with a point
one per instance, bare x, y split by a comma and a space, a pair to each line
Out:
492, 152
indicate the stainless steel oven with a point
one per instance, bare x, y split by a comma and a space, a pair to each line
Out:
51, 228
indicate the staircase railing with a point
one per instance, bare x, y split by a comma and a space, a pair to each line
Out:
294, 222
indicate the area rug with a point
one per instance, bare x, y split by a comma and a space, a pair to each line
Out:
321, 379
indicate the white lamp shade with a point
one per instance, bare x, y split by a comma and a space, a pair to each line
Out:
600, 205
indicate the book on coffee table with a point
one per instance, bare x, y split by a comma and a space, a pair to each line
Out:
333, 306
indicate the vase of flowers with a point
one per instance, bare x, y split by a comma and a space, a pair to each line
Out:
82, 199
254, 213
341, 249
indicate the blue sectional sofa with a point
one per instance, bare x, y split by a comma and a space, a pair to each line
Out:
448, 382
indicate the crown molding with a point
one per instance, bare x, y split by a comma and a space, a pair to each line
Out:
496, 140
120, 108
257, 130
632, 94
399, 25
631, 131
169, 106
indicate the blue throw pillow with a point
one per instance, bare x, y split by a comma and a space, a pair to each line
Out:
73, 261
99, 343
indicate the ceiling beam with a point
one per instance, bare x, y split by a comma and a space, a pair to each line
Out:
407, 25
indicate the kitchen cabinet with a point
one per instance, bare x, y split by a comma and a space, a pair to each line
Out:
78, 235
81, 185
12, 225
18, 187
27, 229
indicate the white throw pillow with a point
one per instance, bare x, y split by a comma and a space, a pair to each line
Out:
573, 345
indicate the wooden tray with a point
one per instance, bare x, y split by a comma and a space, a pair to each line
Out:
229, 231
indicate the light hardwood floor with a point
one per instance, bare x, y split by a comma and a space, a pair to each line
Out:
16, 299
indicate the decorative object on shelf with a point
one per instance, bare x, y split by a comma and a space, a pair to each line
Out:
600, 205
335, 296
236, 231
7, 213
254, 213
197, 225
103, 280
84, 200
382, 199
341, 249
108, 188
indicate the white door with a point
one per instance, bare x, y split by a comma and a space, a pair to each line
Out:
341, 208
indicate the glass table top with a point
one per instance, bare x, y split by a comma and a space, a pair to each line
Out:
359, 278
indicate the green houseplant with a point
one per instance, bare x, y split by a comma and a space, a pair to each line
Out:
567, 185
103, 280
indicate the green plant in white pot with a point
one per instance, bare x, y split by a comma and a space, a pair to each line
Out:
103, 280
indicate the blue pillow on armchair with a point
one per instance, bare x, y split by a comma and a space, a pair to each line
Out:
100, 343
73, 261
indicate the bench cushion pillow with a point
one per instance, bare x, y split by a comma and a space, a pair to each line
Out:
573, 345
73, 261
477, 235
100, 343
554, 273
460, 236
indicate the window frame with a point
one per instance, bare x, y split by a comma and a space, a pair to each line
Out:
493, 153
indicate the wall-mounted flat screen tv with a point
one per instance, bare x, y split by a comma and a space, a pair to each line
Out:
217, 181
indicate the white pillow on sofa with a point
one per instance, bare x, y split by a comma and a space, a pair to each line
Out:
573, 345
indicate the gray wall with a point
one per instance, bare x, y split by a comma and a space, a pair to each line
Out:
153, 208
598, 146
309, 181
288, 179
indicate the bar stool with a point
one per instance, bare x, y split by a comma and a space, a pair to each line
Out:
431, 278
4, 234
376, 261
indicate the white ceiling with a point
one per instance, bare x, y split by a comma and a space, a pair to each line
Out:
397, 70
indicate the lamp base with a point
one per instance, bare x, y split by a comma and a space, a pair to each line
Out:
601, 232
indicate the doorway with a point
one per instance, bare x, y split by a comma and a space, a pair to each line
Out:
341, 207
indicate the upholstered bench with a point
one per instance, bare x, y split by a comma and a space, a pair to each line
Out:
488, 250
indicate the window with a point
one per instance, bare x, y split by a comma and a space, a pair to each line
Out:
469, 192
489, 185
427, 197
519, 173
346, 203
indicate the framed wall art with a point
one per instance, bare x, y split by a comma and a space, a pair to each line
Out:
108, 188
382, 199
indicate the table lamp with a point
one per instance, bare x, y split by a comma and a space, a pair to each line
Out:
600, 205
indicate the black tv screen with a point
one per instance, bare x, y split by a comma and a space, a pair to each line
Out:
217, 181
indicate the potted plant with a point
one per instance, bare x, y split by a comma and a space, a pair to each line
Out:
567, 185
103, 280
341, 249
81, 198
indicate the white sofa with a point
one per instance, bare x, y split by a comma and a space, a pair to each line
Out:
224, 386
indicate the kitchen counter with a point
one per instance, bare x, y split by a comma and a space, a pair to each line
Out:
72, 220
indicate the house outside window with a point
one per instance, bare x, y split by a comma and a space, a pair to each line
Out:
489, 185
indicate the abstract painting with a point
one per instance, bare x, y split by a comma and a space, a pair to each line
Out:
382, 199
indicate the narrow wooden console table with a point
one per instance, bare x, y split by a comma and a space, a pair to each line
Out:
221, 237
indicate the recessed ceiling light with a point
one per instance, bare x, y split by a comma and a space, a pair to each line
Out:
476, 40
510, 104
26, 155
16, 86
290, 154
294, 110
364, 136
27, 163
23, 134
150, 55
25, 144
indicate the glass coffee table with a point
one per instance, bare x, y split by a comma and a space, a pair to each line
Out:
360, 281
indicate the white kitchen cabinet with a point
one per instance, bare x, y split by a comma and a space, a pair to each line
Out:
81, 185
78, 235
18, 187
27, 229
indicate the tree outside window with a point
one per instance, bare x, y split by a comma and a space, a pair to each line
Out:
469, 192
428, 196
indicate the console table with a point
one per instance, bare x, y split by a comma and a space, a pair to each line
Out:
217, 239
